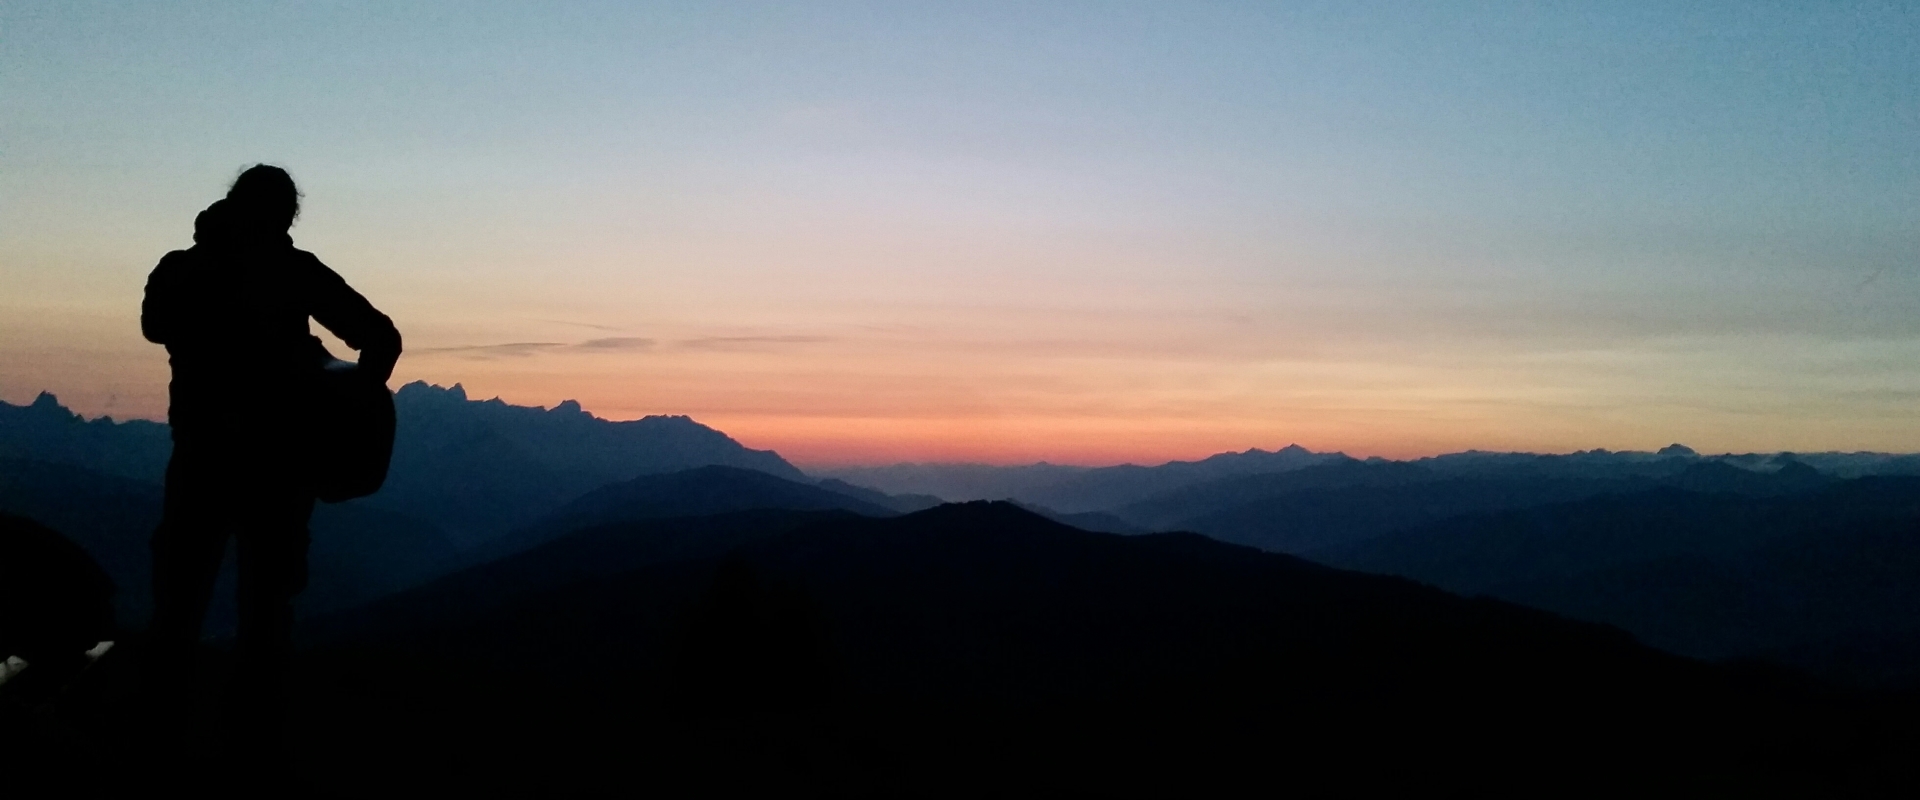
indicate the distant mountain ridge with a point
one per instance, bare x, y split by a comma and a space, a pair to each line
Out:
482, 468
464, 472
46, 431
1347, 501
1070, 489
1067, 489
475, 469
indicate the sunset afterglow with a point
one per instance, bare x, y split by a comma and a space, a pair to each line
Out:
1080, 233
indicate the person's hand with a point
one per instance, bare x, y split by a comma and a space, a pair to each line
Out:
377, 369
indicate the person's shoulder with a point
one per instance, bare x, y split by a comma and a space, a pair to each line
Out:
176, 261
312, 269
306, 262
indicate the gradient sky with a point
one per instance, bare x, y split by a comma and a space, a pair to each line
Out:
1086, 233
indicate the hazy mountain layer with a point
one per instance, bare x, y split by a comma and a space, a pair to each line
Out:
1714, 575
1345, 502
359, 552
1073, 489
700, 492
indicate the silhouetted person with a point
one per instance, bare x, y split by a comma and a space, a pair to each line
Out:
233, 311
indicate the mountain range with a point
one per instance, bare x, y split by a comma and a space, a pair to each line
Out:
464, 473
1073, 489
548, 600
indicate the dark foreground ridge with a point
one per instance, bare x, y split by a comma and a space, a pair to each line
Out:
980, 646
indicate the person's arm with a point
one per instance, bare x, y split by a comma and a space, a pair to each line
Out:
159, 308
349, 316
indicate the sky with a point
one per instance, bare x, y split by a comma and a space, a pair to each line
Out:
1090, 233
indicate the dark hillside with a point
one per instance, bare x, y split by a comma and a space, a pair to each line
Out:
1476, 553
688, 493
1713, 575
971, 645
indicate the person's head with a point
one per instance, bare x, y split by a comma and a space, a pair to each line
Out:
266, 193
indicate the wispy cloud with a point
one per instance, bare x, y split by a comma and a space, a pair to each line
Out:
507, 350
746, 342
616, 344
576, 324
621, 343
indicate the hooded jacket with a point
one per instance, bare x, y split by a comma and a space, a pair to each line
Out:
233, 312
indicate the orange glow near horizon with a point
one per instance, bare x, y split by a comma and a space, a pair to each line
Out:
1004, 387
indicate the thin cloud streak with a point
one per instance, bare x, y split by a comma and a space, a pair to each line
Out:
746, 342
507, 350
608, 328
616, 344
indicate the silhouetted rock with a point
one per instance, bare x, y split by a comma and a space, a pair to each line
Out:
110, 517
55, 602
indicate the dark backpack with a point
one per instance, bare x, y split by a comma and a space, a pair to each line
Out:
353, 432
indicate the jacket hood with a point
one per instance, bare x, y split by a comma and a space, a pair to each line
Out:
224, 223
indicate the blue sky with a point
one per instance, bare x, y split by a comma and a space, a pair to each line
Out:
1084, 232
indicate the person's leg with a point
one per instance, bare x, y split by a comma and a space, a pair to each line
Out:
273, 569
187, 548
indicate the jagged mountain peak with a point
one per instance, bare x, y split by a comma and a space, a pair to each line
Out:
488, 467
